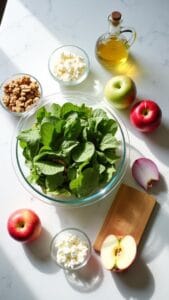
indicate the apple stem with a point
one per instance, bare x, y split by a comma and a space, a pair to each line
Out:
21, 225
117, 85
145, 112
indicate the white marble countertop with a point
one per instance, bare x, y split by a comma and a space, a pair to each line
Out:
29, 32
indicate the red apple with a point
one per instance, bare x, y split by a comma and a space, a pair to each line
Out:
118, 253
24, 225
146, 115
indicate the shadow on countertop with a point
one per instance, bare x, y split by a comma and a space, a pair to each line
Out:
7, 67
38, 252
12, 284
135, 282
88, 278
158, 143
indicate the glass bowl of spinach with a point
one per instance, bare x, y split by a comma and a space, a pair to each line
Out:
70, 151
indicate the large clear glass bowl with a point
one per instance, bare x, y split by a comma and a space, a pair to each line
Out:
22, 170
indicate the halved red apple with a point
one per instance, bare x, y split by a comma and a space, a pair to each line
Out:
118, 253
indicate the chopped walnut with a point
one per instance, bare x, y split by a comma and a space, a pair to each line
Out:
21, 93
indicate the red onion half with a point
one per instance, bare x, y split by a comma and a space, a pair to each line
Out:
145, 172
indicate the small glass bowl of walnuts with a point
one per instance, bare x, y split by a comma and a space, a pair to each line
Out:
20, 93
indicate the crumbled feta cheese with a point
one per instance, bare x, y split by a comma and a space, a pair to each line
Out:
69, 66
71, 250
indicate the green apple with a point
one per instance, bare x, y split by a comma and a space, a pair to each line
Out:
120, 91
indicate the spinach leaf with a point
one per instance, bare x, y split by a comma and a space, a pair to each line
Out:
49, 168
45, 149
30, 136
66, 147
108, 142
85, 183
71, 172
45, 155
83, 152
55, 110
111, 155
68, 108
22, 144
59, 126
110, 171
100, 168
33, 177
99, 113
40, 114
47, 130
53, 181
72, 127
108, 126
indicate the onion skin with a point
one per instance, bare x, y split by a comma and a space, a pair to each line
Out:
145, 172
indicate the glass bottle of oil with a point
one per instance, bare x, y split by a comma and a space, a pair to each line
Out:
112, 47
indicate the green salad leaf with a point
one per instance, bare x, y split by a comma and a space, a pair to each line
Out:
83, 152
70, 149
30, 136
46, 132
85, 182
108, 142
48, 168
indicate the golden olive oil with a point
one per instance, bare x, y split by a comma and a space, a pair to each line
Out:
112, 47
112, 51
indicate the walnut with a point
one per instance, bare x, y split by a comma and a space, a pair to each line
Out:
21, 93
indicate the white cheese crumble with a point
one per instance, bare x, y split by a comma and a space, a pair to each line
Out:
71, 250
69, 66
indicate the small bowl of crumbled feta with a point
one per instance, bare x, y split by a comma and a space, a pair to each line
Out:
69, 65
71, 249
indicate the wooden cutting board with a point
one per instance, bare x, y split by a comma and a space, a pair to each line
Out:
129, 214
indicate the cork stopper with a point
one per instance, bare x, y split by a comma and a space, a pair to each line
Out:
116, 17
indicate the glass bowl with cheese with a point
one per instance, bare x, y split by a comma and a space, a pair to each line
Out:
69, 65
71, 249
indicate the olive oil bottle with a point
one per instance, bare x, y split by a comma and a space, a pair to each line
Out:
112, 47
